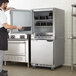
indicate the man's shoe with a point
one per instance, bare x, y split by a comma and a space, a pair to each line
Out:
1, 74
4, 71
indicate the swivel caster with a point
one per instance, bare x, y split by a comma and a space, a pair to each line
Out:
52, 68
34, 67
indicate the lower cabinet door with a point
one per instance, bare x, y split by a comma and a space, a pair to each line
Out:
42, 52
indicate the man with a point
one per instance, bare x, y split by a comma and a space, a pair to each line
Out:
3, 32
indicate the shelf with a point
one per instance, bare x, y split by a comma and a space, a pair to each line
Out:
74, 15
74, 5
72, 37
46, 20
43, 26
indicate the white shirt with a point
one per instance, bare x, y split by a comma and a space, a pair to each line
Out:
3, 18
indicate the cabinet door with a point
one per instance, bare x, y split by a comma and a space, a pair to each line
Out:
22, 18
42, 52
16, 48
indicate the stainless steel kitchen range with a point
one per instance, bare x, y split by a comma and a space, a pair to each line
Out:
17, 49
46, 29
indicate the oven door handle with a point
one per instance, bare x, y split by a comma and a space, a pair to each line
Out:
17, 42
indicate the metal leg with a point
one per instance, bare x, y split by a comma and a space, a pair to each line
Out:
72, 67
52, 68
34, 67
28, 65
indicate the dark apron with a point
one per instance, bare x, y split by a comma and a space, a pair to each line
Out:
3, 39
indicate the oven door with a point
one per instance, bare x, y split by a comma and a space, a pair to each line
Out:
16, 48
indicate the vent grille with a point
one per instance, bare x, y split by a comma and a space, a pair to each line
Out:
15, 58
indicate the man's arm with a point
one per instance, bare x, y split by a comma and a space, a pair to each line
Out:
9, 8
7, 26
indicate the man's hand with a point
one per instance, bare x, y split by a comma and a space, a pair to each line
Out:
19, 27
9, 8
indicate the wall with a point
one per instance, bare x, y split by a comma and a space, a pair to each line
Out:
18, 4
62, 4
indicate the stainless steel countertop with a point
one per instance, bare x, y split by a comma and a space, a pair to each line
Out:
17, 39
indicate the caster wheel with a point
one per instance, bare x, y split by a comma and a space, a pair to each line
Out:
52, 68
34, 67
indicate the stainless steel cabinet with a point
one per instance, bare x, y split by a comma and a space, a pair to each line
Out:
47, 44
42, 52
47, 53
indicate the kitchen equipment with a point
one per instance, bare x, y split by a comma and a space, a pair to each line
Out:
17, 49
22, 18
47, 42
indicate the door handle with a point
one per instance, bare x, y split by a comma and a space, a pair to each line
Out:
49, 40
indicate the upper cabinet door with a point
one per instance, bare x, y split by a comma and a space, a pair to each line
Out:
22, 18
